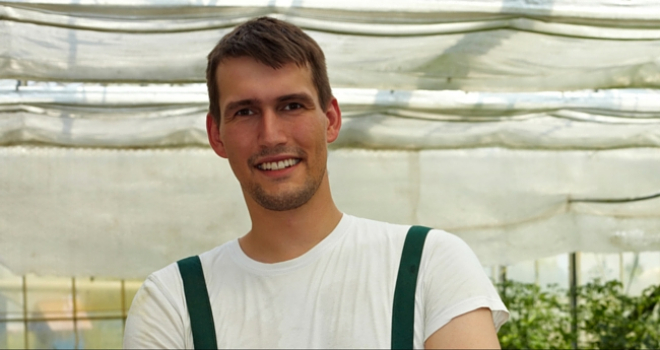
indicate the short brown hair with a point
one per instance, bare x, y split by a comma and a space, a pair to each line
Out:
273, 43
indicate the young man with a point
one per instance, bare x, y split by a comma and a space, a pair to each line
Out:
306, 275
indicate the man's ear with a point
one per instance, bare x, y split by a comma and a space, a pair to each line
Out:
215, 140
333, 113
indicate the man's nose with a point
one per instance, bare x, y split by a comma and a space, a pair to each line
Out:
272, 131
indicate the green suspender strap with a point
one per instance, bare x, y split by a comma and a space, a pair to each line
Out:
199, 306
403, 315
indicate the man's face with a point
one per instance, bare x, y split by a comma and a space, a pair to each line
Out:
273, 131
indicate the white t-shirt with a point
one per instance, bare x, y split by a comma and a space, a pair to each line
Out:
337, 295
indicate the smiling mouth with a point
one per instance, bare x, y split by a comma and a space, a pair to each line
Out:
279, 165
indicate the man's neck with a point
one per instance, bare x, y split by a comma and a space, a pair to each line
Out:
278, 236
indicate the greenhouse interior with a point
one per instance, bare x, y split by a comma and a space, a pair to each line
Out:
530, 129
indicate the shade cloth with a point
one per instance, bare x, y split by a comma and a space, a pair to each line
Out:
529, 128
470, 45
125, 213
159, 116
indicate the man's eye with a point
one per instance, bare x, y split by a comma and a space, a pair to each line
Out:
244, 112
293, 106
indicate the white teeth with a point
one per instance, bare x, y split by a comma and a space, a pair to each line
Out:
282, 164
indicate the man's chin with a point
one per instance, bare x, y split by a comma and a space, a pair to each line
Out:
279, 203
283, 200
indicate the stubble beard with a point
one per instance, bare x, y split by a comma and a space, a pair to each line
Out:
288, 200
291, 199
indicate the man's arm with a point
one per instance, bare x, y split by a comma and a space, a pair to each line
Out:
473, 330
461, 306
154, 320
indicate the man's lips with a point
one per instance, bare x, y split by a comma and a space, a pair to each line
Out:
277, 163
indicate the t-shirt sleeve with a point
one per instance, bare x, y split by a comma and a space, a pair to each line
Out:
154, 319
455, 283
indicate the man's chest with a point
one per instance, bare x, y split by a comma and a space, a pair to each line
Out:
329, 305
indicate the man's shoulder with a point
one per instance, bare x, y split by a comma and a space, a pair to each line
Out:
435, 236
169, 276
381, 227
223, 251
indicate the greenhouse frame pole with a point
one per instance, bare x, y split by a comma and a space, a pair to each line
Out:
573, 282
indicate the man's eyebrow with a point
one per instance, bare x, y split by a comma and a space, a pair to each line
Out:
303, 97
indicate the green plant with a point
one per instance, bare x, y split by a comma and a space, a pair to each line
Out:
610, 319
538, 319
607, 318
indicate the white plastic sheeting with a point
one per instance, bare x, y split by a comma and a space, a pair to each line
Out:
126, 213
501, 121
156, 116
474, 45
